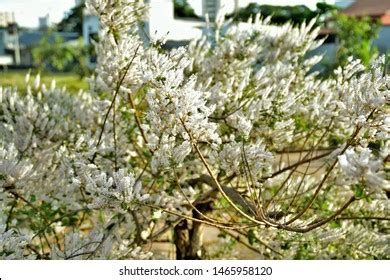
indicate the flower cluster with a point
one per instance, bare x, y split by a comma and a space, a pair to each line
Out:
235, 129
120, 187
360, 167
12, 244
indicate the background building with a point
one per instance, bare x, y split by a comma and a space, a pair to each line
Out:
377, 9
9, 40
44, 22
161, 22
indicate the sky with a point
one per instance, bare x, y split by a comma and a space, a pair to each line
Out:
27, 12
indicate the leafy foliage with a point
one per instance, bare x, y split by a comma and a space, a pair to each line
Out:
282, 14
53, 54
183, 9
73, 22
175, 139
356, 37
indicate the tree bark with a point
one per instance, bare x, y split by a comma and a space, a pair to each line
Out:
189, 236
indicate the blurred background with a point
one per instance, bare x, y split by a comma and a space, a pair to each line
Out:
55, 38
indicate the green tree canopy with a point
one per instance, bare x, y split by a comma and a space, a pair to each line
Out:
282, 14
183, 9
356, 37
73, 22
53, 54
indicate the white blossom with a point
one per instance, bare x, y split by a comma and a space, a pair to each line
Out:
359, 164
120, 190
12, 244
104, 170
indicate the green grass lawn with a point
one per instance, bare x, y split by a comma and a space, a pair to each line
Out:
16, 78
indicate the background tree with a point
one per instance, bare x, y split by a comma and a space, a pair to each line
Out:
53, 54
183, 9
355, 38
173, 140
283, 14
73, 21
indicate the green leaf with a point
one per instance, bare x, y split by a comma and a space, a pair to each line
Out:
359, 190
251, 237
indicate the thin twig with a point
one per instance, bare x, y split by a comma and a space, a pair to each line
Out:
117, 89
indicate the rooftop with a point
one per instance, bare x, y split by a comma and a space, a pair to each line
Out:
368, 8
29, 38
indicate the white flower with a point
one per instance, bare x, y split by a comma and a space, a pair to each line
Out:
359, 166
180, 152
12, 244
145, 234
241, 123
239, 95
232, 158
37, 81
119, 191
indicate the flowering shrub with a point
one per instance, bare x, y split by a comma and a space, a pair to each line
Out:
175, 140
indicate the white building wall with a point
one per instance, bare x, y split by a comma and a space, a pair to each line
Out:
160, 18
6, 18
161, 23
197, 5
229, 6
90, 26
6, 60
